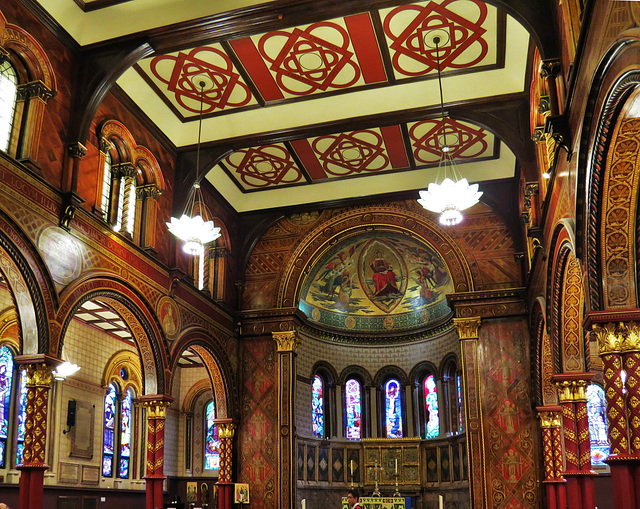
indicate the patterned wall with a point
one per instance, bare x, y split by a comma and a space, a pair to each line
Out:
257, 455
509, 425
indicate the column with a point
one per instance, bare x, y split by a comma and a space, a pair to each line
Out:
550, 422
286, 343
35, 94
468, 331
548, 72
39, 377
226, 430
577, 446
156, 407
612, 341
147, 214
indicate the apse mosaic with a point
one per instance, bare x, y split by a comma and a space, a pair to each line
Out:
358, 153
377, 282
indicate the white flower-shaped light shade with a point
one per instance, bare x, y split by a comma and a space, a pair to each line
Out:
194, 231
449, 198
64, 370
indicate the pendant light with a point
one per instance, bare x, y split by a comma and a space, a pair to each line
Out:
453, 194
196, 230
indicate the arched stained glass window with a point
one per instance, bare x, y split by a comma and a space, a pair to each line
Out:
354, 409
459, 386
126, 423
598, 428
8, 96
317, 406
393, 409
106, 185
431, 407
212, 443
6, 383
22, 416
110, 413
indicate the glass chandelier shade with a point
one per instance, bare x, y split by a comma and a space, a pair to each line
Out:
193, 229
453, 194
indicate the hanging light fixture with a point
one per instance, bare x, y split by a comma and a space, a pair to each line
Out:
453, 194
195, 230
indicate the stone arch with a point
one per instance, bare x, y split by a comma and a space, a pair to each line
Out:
135, 312
355, 371
381, 218
130, 361
390, 371
31, 289
9, 330
604, 180
420, 368
326, 368
196, 390
216, 363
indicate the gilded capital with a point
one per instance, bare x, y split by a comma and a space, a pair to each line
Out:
286, 341
549, 419
226, 430
549, 68
156, 409
609, 337
630, 336
580, 391
467, 327
565, 391
148, 191
39, 375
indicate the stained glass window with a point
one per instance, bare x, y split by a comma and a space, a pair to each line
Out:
106, 184
22, 416
110, 412
212, 443
598, 428
431, 407
6, 383
126, 417
8, 95
317, 407
459, 386
353, 407
393, 409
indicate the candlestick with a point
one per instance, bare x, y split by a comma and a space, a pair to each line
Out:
440, 502
396, 465
351, 465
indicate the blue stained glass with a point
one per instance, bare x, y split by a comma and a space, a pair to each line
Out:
6, 383
317, 407
354, 413
212, 442
123, 471
22, 416
598, 427
459, 385
109, 431
125, 434
431, 407
393, 407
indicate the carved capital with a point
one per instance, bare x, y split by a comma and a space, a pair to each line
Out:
105, 145
572, 387
550, 68
550, 416
609, 337
565, 391
77, 150
127, 170
33, 89
148, 191
39, 375
286, 341
156, 405
467, 327
531, 189
539, 136
544, 105
226, 430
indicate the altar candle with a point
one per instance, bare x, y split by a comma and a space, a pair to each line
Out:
440, 502
351, 464
396, 465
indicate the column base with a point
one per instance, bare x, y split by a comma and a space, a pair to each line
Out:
225, 495
155, 491
32, 486
623, 468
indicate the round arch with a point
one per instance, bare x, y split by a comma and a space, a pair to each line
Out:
215, 361
135, 312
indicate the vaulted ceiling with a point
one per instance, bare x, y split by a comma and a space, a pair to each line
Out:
311, 101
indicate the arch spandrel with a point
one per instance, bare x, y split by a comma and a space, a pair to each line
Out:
134, 312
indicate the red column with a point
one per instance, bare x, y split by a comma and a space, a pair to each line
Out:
39, 377
550, 424
584, 443
558, 457
226, 430
611, 342
156, 405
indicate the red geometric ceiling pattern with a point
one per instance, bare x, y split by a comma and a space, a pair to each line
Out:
329, 56
356, 153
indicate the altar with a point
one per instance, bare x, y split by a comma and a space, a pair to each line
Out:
380, 503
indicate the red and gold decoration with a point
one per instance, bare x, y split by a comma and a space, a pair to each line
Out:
550, 423
577, 445
226, 430
156, 407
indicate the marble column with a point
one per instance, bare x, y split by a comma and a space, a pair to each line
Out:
286, 343
226, 430
156, 407
39, 378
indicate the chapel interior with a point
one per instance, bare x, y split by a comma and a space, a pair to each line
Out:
262, 253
